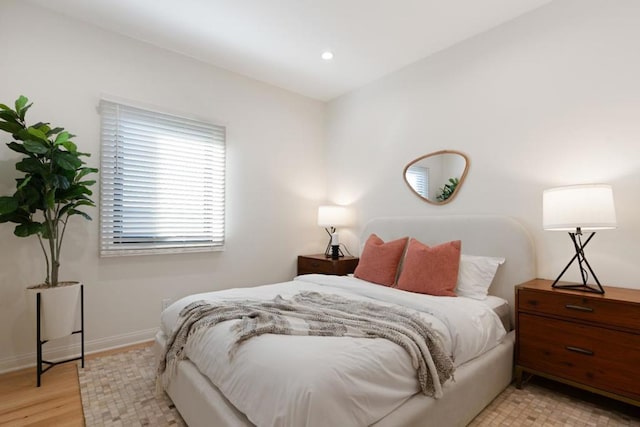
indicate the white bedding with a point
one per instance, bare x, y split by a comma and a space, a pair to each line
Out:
279, 380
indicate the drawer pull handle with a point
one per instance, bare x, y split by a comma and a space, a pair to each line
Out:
578, 307
579, 350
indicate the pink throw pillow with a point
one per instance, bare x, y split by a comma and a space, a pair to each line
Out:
379, 260
431, 270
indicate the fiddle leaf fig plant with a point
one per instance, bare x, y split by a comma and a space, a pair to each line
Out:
448, 189
53, 186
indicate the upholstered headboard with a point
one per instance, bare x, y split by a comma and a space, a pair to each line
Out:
487, 235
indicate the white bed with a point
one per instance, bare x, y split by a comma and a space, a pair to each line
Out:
477, 381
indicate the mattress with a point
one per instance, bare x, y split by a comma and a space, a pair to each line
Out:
351, 381
501, 308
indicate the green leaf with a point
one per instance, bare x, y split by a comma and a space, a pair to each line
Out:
17, 147
85, 171
69, 174
86, 183
60, 181
4, 107
65, 208
74, 205
9, 116
54, 131
85, 202
23, 112
5, 218
67, 161
10, 127
37, 133
23, 134
44, 128
24, 182
19, 217
8, 205
81, 197
74, 192
36, 147
46, 231
25, 230
77, 212
70, 146
29, 197
62, 137
30, 165
21, 102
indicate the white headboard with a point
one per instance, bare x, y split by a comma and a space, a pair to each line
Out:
487, 235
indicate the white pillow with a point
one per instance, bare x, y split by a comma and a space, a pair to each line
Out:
475, 275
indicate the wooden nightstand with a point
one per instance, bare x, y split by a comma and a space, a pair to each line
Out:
318, 263
585, 340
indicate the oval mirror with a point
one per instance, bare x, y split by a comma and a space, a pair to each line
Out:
437, 177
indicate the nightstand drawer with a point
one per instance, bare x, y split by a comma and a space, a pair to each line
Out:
593, 356
309, 264
587, 308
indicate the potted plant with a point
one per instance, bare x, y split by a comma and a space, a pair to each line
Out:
448, 189
51, 190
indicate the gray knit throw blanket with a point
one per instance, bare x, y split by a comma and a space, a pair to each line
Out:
321, 314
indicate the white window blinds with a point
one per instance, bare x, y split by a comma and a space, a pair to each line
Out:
162, 183
418, 178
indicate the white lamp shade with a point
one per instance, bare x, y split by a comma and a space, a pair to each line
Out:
334, 216
588, 206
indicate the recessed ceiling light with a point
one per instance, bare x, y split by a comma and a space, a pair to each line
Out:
327, 55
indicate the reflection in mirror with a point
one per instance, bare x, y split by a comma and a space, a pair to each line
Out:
437, 177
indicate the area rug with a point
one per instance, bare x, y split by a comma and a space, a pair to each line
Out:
547, 403
119, 390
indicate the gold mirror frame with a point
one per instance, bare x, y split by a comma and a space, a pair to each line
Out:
444, 184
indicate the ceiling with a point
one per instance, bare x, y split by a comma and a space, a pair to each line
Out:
280, 41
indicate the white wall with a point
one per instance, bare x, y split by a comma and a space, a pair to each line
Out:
549, 99
64, 66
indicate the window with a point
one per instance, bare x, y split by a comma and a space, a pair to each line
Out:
418, 178
162, 183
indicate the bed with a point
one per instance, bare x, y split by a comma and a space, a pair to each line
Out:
478, 377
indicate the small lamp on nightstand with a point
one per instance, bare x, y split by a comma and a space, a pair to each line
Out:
331, 217
578, 208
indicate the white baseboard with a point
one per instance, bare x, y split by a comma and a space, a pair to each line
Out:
54, 354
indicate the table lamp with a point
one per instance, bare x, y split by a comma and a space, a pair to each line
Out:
331, 217
578, 208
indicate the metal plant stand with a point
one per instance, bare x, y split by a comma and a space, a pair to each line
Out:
41, 342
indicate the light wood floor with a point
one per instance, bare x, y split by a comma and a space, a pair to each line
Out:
55, 403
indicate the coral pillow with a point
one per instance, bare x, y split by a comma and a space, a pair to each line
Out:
379, 260
430, 270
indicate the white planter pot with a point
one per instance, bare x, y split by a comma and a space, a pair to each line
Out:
59, 309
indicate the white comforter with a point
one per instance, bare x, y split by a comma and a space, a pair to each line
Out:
281, 380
